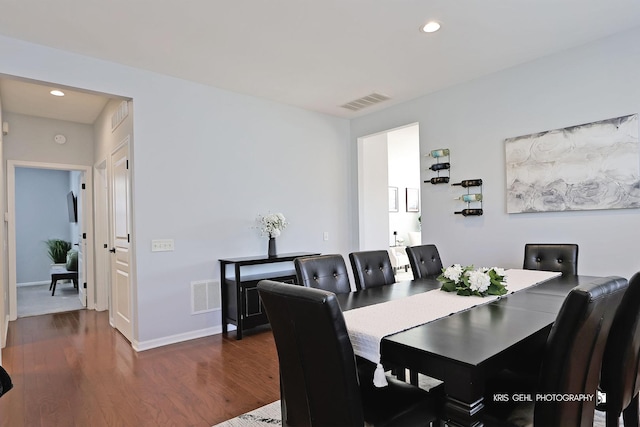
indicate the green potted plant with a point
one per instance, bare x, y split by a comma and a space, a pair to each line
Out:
57, 250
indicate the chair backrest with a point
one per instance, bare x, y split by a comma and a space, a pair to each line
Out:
371, 268
318, 377
574, 350
5, 381
425, 261
620, 377
560, 257
328, 272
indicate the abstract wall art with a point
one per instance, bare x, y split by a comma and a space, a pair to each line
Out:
584, 167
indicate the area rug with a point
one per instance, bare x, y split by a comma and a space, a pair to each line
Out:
269, 416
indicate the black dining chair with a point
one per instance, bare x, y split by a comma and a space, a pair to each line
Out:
571, 361
424, 261
620, 376
560, 257
372, 268
5, 381
328, 272
319, 382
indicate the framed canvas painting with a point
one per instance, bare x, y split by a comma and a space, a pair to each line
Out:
413, 199
584, 167
393, 199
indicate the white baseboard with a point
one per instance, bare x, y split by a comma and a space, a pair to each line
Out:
42, 282
173, 339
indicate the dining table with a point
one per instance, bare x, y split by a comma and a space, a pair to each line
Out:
466, 347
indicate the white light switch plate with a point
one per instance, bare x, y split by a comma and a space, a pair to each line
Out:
161, 245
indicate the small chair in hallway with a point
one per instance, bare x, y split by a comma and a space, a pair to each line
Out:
59, 272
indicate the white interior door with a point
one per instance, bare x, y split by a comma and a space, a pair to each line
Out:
120, 240
82, 241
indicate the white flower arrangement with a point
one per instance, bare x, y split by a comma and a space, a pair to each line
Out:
272, 225
470, 281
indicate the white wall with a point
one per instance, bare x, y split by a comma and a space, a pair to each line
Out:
373, 196
31, 139
593, 82
205, 163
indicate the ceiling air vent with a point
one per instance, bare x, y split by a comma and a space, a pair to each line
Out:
365, 101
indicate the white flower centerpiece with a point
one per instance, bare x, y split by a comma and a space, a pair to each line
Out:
470, 281
271, 225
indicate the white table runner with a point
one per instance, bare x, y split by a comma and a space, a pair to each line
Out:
368, 325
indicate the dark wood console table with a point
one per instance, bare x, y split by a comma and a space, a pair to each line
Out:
241, 304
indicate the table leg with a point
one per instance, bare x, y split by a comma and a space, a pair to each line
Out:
225, 296
240, 295
462, 414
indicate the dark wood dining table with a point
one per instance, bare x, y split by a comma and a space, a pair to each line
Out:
466, 348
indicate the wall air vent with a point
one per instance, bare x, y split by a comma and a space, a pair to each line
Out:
205, 296
365, 101
121, 113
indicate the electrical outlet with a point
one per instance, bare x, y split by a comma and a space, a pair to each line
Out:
162, 245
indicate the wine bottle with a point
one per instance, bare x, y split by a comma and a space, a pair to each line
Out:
469, 183
439, 180
440, 166
441, 152
470, 198
469, 212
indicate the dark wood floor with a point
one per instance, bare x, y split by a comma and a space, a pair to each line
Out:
73, 369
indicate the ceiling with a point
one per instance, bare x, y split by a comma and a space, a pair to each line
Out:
315, 54
33, 99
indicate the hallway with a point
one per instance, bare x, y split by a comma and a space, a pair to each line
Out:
36, 299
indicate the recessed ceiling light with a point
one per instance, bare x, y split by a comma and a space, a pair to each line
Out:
430, 27
57, 92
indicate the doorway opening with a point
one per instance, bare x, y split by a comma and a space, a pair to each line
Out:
26, 264
389, 202
85, 128
389, 196
47, 233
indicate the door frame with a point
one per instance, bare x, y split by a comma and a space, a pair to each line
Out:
87, 220
101, 236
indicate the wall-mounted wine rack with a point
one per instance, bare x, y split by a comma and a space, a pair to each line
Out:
471, 198
442, 166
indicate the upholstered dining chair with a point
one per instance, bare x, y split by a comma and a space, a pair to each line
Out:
571, 360
620, 377
560, 257
328, 272
5, 381
371, 268
319, 382
424, 260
